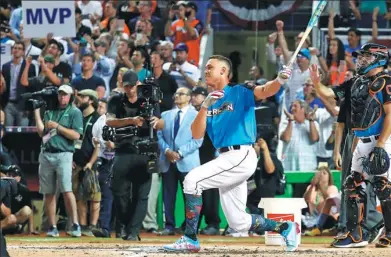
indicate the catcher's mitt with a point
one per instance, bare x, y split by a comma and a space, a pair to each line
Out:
378, 162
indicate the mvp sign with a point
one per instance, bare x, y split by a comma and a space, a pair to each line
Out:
43, 17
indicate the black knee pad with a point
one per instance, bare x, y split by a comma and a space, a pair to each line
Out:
353, 180
382, 188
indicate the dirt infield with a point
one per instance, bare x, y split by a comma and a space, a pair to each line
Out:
151, 246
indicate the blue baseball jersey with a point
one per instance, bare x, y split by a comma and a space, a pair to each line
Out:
231, 120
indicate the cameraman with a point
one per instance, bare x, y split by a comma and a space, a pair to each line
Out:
130, 176
59, 130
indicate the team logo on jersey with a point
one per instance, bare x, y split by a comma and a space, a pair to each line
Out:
229, 107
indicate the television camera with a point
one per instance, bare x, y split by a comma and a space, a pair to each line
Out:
47, 98
148, 146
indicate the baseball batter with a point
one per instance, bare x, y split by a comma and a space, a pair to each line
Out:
228, 116
370, 94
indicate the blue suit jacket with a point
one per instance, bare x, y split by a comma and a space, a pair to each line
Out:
184, 141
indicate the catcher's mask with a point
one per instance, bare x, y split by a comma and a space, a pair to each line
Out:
371, 56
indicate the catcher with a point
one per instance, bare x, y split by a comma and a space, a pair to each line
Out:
370, 94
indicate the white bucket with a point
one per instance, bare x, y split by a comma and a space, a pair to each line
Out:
281, 209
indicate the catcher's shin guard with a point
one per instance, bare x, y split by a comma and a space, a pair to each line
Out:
355, 212
385, 240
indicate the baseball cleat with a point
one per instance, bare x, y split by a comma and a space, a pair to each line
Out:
290, 236
184, 244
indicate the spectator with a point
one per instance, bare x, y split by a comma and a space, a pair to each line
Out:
140, 61
127, 10
93, 9
45, 79
299, 133
256, 75
61, 69
187, 29
125, 50
55, 169
87, 80
80, 28
167, 83
120, 87
11, 100
167, 49
185, 73
336, 64
323, 200
109, 12
84, 160
308, 94
300, 73
16, 21
178, 152
140, 36
104, 66
145, 10
102, 106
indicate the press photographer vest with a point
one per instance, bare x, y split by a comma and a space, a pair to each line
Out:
367, 105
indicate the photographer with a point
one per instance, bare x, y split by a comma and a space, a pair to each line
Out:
59, 130
18, 211
8, 188
130, 176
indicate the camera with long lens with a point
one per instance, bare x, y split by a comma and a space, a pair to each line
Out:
47, 98
148, 146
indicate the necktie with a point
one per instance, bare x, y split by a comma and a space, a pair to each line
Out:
177, 123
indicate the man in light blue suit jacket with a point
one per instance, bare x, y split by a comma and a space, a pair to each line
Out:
178, 152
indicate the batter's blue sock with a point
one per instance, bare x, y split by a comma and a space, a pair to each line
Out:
193, 209
260, 223
322, 220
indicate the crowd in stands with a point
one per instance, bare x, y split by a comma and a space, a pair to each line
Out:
160, 39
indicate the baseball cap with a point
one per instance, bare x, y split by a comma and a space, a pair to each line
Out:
192, 6
66, 89
129, 78
306, 53
200, 91
59, 45
181, 47
49, 58
184, 3
89, 92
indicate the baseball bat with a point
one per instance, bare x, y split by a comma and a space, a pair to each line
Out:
314, 19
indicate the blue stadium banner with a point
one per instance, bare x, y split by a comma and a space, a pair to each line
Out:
244, 13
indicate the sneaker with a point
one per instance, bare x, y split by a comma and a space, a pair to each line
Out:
184, 244
384, 240
86, 231
100, 232
376, 234
353, 239
53, 232
210, 231
290, 236
233, 233
76, 230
